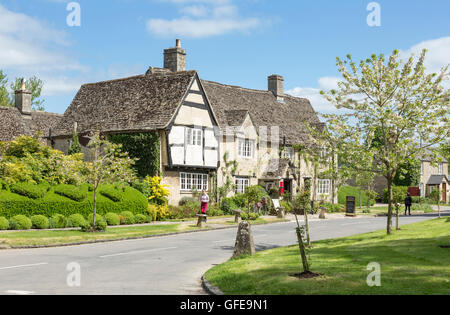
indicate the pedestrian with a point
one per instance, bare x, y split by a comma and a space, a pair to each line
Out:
204, 201
408, 203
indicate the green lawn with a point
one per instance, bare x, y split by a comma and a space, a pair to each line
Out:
412, 262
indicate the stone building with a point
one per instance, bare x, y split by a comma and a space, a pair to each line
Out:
198, 122
22, 120
434, 176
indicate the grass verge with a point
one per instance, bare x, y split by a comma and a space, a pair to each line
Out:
413, 261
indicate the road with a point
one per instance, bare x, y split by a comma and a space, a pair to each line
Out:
163, 265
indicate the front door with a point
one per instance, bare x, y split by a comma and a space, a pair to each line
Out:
287, 184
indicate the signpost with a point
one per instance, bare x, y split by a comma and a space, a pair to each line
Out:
350, 206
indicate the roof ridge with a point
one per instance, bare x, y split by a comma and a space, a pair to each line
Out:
141, 76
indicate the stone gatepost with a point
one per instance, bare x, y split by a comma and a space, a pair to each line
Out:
237, 216
244, 241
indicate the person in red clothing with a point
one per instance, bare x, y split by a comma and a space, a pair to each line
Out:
204, 201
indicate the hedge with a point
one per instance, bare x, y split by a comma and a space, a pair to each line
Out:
20, 222
30, 190
40, 222
353, 191
4, 224
12, 204
72, 192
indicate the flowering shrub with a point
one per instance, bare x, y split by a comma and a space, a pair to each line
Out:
158, 192
157, 212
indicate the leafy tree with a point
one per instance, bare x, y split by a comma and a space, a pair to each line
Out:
398, 100
436, 197
4, 95
34, 85
75, 148
253, 195
109, 165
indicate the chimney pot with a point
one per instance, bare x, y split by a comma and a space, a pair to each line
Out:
178, 43
22, 100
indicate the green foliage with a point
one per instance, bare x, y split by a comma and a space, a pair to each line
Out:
399, 193
228, 205
286, 205
40, 222
112, 192
20, 222
76, 220
58, 221
72, 192
302, 202
254, 194
408, 174
345, 191
142, 146
4, 224
185, 200
4, 95
12, 204
140, 219
29, 190
249, 216
112, 218
100, 224
127, 218
75, 148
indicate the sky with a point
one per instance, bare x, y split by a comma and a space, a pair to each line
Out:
236, 42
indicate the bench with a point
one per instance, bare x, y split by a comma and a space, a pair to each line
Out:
201, 223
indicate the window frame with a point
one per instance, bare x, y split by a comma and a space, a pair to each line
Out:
321, 186
194, 137
193, 181
248, 146
244, 184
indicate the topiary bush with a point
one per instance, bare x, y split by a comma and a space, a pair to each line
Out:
20, 222
228, 205
4, 224
31, 191
76, 220
100, 224
345, 191
58, 221
140, 219
112, 218
72, 192
40, 222
128, 218
112, 193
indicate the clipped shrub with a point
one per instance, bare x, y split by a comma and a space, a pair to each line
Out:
20, 222
228, 206
3, 185
76, 220
4, 224
254, 216
345, 191
58, 221
140, 219
286, 205
100, 223
239, 201
128, 218
71, 191
30, 190
112, 218
112, 193
40, 222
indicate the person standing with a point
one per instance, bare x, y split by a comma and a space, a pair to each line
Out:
408, 203
204, 199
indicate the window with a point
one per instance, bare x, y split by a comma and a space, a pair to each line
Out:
323, 152
422, 192
323, 186
193, 181
288, 153
242, 184
194, 136
245, 148
440, 170
421, 168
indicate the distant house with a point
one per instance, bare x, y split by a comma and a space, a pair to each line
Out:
198, 122
21, 120
434, 176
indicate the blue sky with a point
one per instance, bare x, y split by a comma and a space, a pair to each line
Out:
229, 41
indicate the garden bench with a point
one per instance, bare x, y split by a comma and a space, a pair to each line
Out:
201, 223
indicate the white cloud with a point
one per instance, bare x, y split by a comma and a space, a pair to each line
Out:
28, 44
203, 18
318, 102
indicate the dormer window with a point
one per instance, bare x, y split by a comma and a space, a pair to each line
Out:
194, 137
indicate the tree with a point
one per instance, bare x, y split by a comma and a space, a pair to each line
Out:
397, 99
301, 202
34, 85
4, 95
75, 148
253, 195
228, 169
109, 164
436, 197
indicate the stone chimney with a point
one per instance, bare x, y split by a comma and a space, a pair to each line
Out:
23, 100
276, 86
175, 58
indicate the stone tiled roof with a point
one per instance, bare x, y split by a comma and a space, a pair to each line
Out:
436, 179
13, 124
264, 109
139, 103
